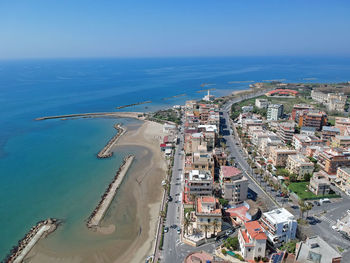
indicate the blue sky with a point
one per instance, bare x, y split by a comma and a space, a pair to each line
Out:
164, 28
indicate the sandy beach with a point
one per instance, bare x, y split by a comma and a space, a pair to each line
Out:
133, 213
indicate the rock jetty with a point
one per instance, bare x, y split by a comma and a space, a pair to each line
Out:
133, 104
106, 199
41, 229
106, 151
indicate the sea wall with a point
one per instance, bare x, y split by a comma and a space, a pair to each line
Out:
106, 151
106, 199
41, 229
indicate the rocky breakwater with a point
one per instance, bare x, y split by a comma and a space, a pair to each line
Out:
106, 199
41, 229
106, 152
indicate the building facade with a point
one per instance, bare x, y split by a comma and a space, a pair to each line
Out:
233, 184
274, 112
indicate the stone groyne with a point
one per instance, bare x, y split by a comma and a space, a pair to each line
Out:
41, 229
106, 199
136, 115
106, 151
133, 104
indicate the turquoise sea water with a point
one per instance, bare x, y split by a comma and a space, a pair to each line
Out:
49, 168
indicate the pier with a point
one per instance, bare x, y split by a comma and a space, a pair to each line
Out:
136, 115
106, 151
106, 199
41, 229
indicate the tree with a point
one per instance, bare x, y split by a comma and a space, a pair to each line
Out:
193, 199
186, 223
206, 231
215, 225
308, 207
307, 177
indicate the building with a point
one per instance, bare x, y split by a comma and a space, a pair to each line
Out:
279, 156
261, 103
252, 240
308, 130
199, 183
169, 128
328, 132
299, 108
342, 124
300, 165
300, 142
200, 161
341, 141
199, 257
312, 118
319, 184
274, 112
315, 249
233, 184
333, 101
272, 141
208, 215
246, 109
280, 226
329, 160
286, 131
343, 179
246, 123
282, 93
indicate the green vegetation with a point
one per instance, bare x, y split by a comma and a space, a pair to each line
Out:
290, 246
161, 241
188, 210
224, 251
301, 189
168, 115
232, 243
341, 250
223, 202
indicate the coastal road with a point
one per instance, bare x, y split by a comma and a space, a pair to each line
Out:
239, 158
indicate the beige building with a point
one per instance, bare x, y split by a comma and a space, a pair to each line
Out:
279, 156
300, 165
233, 184
342, 124
319, 184
208, 215
343, 179
341, 141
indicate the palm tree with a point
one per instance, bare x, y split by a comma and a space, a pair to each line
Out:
186, 224
206, 231
193, 198
308, 208
215, 225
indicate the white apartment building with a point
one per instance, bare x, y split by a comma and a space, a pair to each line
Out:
280, 226
274, 112
199, 183
261, 103
300, 165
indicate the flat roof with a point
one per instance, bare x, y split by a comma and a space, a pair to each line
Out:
279, 215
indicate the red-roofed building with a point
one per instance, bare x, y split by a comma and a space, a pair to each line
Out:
282, 92
208, 215
239, 215
199, 257
234, 185
252, 240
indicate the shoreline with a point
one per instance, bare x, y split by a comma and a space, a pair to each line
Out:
25, 245
100, 210
106, 151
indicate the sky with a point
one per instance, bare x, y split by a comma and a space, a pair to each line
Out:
173, 28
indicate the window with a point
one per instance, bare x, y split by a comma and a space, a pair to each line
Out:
248, 249
259, 249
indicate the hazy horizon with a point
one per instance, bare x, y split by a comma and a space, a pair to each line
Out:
157, 29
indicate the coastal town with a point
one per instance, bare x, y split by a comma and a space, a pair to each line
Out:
258, 176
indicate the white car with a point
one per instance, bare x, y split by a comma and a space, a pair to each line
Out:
335, 228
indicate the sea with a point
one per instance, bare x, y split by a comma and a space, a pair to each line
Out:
49, 168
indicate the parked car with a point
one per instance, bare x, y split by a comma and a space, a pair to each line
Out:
229, 232
170, 198
317, 203
166, 229
178, 230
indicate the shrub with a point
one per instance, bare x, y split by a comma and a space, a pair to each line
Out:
224, 251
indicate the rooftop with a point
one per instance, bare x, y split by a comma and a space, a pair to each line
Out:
255, 230
315, 249
208, 205
230, 171
199, 257
330, 128
278, 215
200, 175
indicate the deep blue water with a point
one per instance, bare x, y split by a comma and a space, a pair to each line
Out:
45, 166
